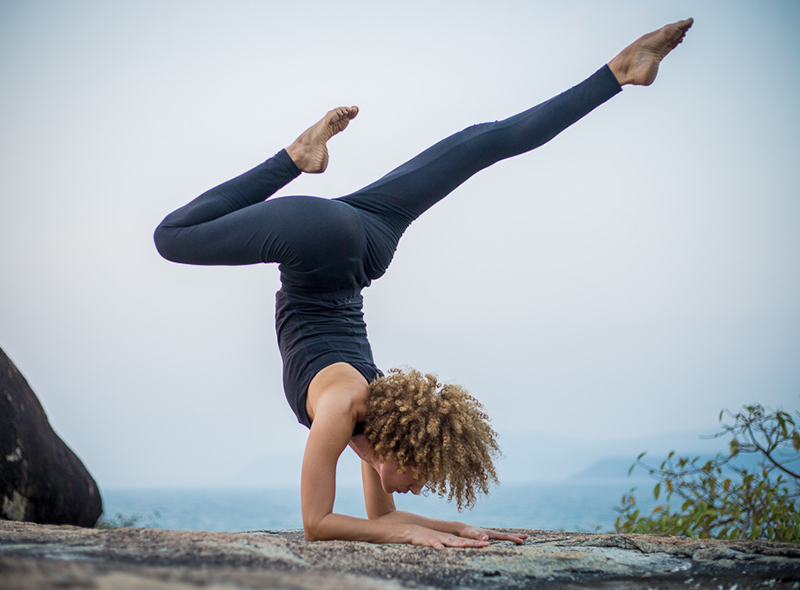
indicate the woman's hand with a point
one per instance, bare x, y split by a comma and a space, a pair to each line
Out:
420, 535
474, 532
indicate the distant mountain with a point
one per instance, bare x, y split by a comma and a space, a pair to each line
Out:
617, 468
612, 468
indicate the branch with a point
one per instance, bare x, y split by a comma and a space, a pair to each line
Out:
780, 466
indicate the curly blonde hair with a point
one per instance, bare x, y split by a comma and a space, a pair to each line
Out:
437, 432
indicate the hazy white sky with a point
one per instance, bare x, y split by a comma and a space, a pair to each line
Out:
631, 278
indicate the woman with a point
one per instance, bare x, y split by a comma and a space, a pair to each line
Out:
410, 432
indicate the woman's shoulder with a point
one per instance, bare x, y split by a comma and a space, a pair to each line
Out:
340, 383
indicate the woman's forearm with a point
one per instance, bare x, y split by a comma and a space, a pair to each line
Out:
348, 528
395, 529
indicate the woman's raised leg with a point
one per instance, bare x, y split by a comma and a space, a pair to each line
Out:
231, 224
394, 201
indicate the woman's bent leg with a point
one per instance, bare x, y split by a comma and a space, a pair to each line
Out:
228, 224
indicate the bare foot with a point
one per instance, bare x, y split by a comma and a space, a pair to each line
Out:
638, 63
309, 152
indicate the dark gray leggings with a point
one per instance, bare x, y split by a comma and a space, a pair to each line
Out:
341, 245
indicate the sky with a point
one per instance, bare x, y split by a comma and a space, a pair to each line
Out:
627, 280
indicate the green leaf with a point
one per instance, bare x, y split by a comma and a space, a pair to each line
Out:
657, 491
796, 440
734, 447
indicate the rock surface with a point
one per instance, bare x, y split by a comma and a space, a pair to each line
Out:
41, 479
48, 557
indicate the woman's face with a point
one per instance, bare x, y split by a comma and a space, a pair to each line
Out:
392, 481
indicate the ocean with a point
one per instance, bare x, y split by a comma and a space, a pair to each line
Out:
583, 506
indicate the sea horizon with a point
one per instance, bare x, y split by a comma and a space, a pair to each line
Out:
577, 506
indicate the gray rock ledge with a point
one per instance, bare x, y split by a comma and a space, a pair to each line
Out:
45, 557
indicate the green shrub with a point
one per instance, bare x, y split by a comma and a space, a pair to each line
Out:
134, 521
719, 499
117, 522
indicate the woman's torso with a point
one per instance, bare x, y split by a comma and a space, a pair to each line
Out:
314, 333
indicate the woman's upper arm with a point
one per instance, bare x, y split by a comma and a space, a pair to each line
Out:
329, 435
376, 500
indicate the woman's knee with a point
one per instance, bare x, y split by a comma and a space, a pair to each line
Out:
165, 241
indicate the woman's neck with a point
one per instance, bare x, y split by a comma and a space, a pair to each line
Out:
361, 447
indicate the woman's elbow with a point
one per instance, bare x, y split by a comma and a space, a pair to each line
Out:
311, 531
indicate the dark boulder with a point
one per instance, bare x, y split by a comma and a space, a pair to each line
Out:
41, 479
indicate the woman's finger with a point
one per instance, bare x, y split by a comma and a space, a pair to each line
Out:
521, 535
463, 542
516, 537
